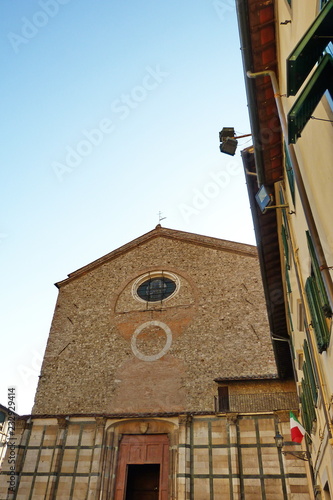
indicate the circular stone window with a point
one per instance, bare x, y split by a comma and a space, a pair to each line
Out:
155, 287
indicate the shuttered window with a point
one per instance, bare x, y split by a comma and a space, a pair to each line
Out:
309, 376
285, 245
290, 173
309, 49
309, 401
288, 281
304, 106
317, 300
284, 213
322, 295
290, 318
305, 417
308, 409
318, 319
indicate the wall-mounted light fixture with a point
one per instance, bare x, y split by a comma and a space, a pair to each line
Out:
301, 455
229, 146
265, 199
229, 141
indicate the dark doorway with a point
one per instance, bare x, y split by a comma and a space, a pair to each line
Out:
223, 393
143, 481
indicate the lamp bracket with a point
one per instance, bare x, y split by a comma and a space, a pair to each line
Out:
277, 206
301, 455
241, 136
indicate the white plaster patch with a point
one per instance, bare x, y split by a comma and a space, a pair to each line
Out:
163, 351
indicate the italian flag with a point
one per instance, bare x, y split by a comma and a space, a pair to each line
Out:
297, 431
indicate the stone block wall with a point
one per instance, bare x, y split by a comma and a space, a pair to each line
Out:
109, 352
210, 456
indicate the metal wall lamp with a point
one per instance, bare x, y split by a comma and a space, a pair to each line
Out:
229, 141
265, 199
301, 455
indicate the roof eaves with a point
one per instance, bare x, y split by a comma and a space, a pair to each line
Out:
250, 84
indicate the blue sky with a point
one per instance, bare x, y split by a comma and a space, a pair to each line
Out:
111, 113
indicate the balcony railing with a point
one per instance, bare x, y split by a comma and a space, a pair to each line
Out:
259, 402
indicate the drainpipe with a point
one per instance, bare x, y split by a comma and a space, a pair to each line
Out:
301, 189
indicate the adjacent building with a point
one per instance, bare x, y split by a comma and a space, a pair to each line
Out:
287, 57
160, 381
7, 420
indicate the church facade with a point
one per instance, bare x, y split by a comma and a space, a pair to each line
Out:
159, 381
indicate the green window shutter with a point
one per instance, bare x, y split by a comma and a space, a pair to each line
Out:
308, 412
281, 196
324, 303
289, 290
290, 173
308, 408
285, 245
290, 319
292, 350
318, 319
311, 406
304, 106
305, 415
284, 213
308, 372
309, 49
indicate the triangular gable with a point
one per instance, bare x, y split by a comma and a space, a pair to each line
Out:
162, 232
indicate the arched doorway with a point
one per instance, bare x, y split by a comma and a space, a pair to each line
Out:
143, 467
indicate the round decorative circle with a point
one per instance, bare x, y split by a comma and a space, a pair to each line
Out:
162, 352
155, 286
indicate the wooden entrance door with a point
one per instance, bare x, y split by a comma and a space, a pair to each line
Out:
150, 481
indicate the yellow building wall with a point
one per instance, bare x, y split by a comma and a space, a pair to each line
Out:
314, 152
